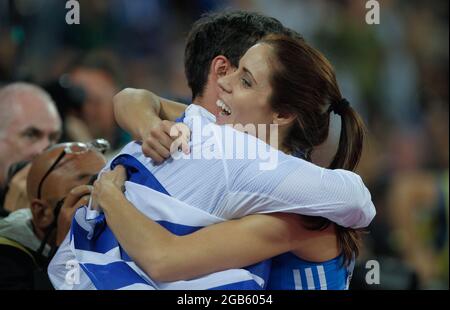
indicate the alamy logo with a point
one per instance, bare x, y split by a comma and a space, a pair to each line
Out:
242, 143
373, 275
73, 15
373, 15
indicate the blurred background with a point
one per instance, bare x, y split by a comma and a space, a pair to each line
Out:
394, 73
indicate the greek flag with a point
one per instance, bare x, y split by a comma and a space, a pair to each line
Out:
109, 267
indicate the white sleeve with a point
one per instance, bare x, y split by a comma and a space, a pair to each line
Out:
297, 186
61, 266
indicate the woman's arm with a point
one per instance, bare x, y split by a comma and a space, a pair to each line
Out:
166, 257
139, 110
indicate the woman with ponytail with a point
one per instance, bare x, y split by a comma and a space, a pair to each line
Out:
304, 85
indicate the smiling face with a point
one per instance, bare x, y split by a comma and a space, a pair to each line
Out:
244, 94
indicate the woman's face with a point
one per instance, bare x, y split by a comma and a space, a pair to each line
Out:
244, 94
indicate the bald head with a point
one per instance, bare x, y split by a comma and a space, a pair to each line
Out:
15, 97
29, 123
71, 171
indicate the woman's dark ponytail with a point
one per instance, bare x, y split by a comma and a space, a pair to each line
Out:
347, 157
351, 137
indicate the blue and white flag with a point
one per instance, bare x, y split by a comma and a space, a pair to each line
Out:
109, 267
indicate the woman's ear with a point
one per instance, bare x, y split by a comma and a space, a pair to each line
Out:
42, 213
283, 119
221, 66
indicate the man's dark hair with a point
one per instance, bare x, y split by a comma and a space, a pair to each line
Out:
227, 33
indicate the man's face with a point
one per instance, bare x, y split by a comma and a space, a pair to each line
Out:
35, 125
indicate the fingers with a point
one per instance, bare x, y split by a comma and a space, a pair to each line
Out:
157, 143
149, 152
160, 149
117, 177
176, 146
107, 184
182, 144
185, 137
120, 175
66, 215
95, 196
183, 134
185, 146
81, 190
120, 171
165, 139
76, 194
180, 130
83, 201
164, 135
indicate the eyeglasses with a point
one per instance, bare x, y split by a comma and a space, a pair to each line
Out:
76, 148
